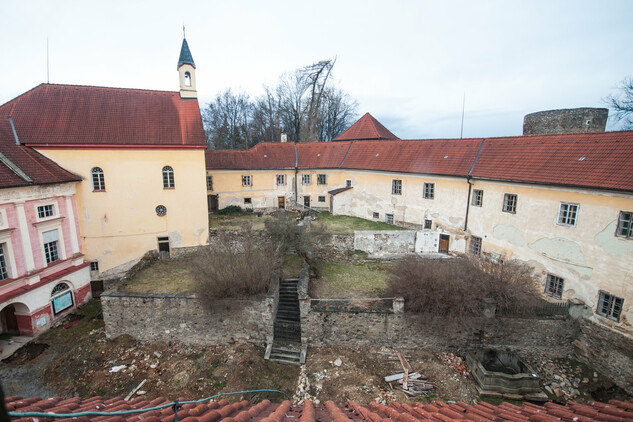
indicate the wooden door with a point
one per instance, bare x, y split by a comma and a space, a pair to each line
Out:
306, 201
11, 322
444, 239
281, 202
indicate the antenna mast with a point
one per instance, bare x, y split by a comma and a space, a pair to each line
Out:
47, 78
461, 132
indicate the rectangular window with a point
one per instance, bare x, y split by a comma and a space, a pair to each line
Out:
429, 190
554, 286
4, 270
475, 245
348, 183
396, 187
281, 179
321, 179
376, 215
305, 179
478, 198
45, 211
625, 225
428, 224
50, 246
510, 203
247, 201
567, 214
321, 198
246, 181
209, 182
94, 266
610, 306
389, 218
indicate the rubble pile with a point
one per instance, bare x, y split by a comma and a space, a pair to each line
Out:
455, 362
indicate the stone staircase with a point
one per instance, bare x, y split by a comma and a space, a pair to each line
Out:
286, 345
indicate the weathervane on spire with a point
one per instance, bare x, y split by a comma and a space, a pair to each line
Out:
183, 31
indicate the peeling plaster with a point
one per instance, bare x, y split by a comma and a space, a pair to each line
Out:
564, 251
607, 240
456, 221
175, 239
509, 233
198, 232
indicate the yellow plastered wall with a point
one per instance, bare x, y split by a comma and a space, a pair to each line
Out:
588, 256
120, 225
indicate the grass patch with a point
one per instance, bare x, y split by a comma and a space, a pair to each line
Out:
351, 281
233, 222
89, 320
164, 276
339, 224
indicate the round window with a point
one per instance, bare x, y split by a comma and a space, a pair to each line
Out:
161, 210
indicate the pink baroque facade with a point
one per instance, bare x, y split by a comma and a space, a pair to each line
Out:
42, 270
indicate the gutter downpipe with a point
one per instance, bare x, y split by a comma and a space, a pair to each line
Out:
470, 185
296, 174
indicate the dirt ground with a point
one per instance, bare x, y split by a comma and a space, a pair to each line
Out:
75, 359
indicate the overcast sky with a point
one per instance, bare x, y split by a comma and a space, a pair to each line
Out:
408, 63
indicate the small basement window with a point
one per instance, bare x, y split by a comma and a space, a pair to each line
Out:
163, 245
94, 266
389, 218
610, 306
247, 201
554, 286
428, 224
376, 215
321, 198
475, 245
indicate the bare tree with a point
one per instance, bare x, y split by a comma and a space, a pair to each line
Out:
338, 113
622, 103
227, 119
316, 76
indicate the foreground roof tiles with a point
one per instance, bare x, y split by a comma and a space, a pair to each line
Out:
589, 160
244, 411
96, 116
366, 128
22, 166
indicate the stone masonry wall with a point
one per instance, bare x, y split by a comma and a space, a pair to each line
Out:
182, 318
571, 120
385, 243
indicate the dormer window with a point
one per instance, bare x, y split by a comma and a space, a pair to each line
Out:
187, 79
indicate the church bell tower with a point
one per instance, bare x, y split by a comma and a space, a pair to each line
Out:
187, 72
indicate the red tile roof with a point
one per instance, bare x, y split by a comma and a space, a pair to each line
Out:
39, 169
87, 115
366, 128
601, 160
546, 159
245, 411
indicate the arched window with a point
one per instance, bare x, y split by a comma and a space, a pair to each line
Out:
187, 79
168, 178
98, 179
61, 298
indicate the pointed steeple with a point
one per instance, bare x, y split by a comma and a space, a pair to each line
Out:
187, 72
185, 55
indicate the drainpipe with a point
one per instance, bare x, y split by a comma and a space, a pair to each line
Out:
296, 174
470, 187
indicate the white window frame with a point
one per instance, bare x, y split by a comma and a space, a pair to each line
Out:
478, 198
281, 180
609, 306
247, 180
322, 179
97, 176
554, 286
389, 219
428, 190
169, 181
67, 291
51, 204
321, 198
48, 226
9, 259
396, 187
428, 223
507, 203
209, 182
306, 179
624, 227
475, 245
4, 223
568, 214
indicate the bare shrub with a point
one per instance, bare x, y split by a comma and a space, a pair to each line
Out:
307, 239
234, 270
457, 287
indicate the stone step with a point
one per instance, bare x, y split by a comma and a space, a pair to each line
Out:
286, 354
284, 361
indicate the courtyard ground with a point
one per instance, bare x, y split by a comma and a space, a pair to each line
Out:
75, 359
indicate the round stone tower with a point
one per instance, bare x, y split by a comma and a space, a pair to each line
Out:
568, 120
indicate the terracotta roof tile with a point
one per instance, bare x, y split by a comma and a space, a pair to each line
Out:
366, 128
38, 168
87, 115
265, 411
